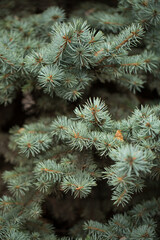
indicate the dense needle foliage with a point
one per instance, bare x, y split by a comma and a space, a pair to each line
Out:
72, 147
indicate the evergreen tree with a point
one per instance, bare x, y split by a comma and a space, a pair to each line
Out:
66, 151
